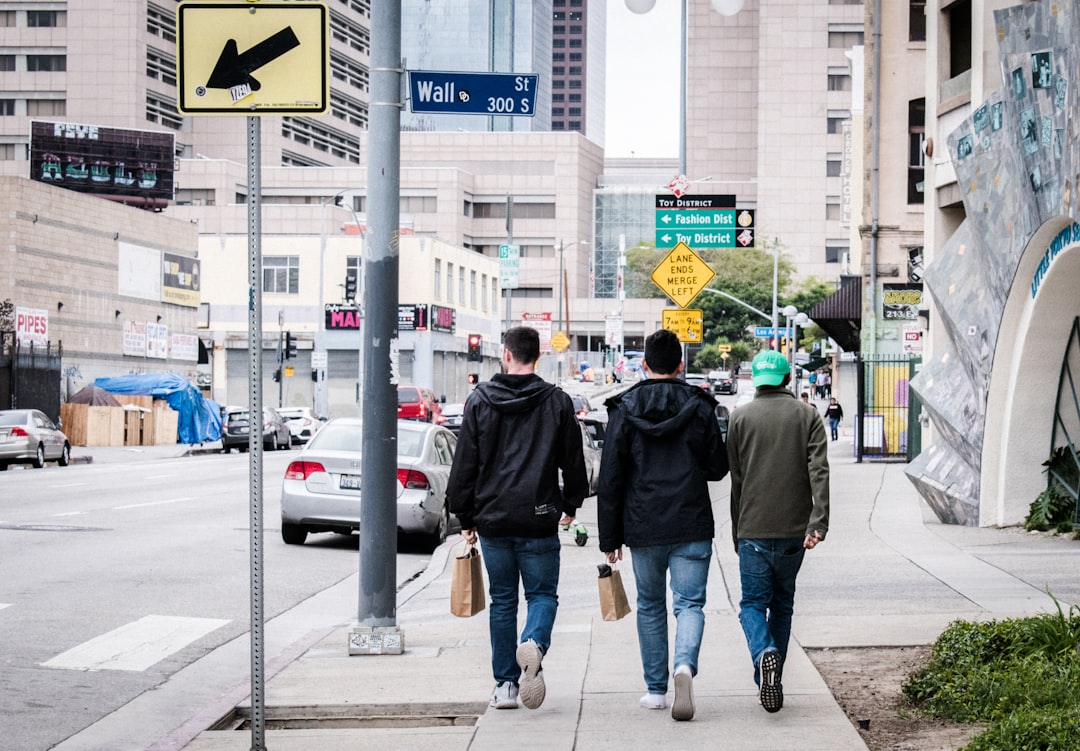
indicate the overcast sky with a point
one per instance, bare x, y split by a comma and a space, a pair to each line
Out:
642, 81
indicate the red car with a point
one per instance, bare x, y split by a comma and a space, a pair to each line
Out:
418, 403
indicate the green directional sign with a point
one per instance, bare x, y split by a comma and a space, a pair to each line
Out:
705, 238
695, 219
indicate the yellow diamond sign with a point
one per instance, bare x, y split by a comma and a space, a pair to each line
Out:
685, 322
560, 342
682, 275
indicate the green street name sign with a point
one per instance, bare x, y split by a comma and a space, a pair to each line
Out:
695, 219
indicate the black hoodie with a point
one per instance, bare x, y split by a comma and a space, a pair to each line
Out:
517, 432
661, 448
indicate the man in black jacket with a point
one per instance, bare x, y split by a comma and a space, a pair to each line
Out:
662, 447
517, 432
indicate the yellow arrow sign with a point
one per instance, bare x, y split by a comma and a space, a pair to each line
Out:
682, 275
252, 59
686, 323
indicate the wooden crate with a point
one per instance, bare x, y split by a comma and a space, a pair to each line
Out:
146, 402
133, 426
164, 425
85, 425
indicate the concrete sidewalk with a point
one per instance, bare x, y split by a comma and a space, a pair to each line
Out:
888, 574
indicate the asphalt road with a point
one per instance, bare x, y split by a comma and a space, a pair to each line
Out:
114, 577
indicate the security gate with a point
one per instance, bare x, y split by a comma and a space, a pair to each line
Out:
887, 423
30, 379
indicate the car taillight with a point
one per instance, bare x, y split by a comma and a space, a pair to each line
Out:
413, 479
303, 470
423, 411
20, 432
440, 419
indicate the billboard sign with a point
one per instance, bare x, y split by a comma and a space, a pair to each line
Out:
108, 162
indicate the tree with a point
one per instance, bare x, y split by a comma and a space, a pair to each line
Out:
641, 260
745, 274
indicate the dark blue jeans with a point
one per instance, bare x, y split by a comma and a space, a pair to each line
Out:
534, 561
767, 571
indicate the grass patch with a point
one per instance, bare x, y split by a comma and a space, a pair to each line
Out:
1020, 678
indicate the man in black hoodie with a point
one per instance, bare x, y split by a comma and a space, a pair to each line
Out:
661, 449
517, 432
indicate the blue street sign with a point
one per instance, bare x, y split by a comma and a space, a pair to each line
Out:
472, 93
766, 332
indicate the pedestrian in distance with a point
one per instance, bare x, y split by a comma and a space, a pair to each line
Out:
518, 431
779, 509
661, 449
834, 413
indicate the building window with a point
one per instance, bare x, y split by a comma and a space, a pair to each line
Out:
575, 98
45, 18
494, 291
161, 67
916, 20
556, 111
575, 125
558, 57
7, 18
575, 44
7, 152
161, 22
835, 253
575, 70
958, 33
450, 282
575, 57
560, 29
162, 110
7, 107
833, 165
484, 292
916, 138
575, 84
46, 107
832, 208
575, 28
7, 63
558, 44
558, 98
46, 63
281, 275
558, 70
472, 288
845, 36
839, 81
558, 84
558, 125
835, 120
575, 111
438, 278
461, 285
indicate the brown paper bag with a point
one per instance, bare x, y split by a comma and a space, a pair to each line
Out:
467, 589
613, 603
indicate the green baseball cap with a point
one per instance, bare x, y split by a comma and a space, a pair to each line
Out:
769, 368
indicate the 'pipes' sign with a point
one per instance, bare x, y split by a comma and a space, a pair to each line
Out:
31, 327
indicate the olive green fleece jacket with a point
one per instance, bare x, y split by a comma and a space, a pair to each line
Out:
778, 453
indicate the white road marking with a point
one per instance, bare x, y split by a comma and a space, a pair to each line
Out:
154, 503
69, 513
136, 646
4, 605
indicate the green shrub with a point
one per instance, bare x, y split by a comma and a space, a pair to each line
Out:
1031, 730
1056, 506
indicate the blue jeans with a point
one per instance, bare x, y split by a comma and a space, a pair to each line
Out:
534, 561
688, 563
767, 571
834, 423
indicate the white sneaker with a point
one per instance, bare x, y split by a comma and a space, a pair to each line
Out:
505, 696
654, 701
682, 708
532, 689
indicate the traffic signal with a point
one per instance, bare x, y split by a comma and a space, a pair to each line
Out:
350, 287
290, 345
277, 375
315, 375
474, 378
474, 348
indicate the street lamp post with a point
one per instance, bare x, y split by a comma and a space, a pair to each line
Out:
562, 247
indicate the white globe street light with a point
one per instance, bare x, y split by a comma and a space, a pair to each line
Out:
640, 6
727, 7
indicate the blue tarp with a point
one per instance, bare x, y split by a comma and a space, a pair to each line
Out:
200, 418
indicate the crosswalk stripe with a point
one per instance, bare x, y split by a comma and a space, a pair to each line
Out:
137, 645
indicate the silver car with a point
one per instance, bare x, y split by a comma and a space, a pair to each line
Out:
28, 436
321, 488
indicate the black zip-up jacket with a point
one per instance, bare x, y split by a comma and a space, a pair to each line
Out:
517, 432
661, 449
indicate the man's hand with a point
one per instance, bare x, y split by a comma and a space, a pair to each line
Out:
812, 540
469, 535
566, 520
614, 555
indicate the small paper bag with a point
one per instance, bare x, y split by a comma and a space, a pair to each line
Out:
467, 588
613, 603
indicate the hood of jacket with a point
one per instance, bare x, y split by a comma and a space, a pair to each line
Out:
660, 406
515, 393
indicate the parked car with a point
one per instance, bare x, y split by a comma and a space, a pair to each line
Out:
235, 426
302, 422
453, 414
723, 382
592, 453
581, 404
418, 403
699, 380
321, 489
28, 436
723, 415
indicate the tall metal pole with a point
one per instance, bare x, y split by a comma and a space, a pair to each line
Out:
319, 404
376, 613
683, 24
509, 244
558, 376
775, 269
255, 444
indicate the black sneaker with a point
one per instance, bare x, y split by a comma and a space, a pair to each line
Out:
771, 690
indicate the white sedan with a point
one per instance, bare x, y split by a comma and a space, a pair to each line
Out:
321, 488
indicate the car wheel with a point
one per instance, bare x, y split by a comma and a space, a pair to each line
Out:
438, 536
293, 534
3, 467
39, 458
65, 456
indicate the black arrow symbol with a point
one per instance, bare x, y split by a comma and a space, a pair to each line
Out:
233, 69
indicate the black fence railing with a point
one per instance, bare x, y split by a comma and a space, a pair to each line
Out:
887, 419
30, 379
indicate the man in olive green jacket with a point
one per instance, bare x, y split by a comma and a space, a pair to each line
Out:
778, 454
